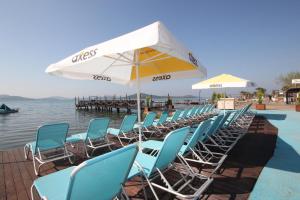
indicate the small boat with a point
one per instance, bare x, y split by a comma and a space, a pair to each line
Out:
4, 109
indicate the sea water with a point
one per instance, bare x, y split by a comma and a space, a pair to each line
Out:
16, 129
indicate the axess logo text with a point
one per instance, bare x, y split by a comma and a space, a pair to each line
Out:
162, 77
215, 85
84, 55
101, 78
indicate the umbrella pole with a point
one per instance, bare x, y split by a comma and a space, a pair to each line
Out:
138, 96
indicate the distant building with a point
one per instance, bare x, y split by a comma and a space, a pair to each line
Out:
291, 94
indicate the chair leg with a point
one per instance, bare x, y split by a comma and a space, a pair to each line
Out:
120, 140
36, 171
86, 151
26, 152
31, 192
123, 194
148, 181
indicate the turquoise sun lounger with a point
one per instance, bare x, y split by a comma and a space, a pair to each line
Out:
151, 167
95, 137
50, 138
101, 177
126, 130
147, 124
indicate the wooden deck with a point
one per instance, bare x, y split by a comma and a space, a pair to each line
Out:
235, 181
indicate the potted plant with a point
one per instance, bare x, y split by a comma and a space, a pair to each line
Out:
297, 107
260, 92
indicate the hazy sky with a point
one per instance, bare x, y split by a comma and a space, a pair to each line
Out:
256, 40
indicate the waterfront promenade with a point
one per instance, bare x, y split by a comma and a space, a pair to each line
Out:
280, 179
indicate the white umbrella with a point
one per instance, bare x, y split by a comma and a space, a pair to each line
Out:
223, 81
149, 54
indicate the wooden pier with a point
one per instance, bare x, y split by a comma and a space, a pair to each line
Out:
236, 180
109, 105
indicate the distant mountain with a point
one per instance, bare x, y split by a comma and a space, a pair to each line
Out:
55, 98
19, 98
16, 98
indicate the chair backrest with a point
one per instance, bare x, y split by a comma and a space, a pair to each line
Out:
176, 115
231, 118
201, 110
197, 135
196, 111
192, 111
215, 125
102, 176
184, 113
210, 108
51, 136
97, 128
224, 119
128, 123
206, 108
163, 117
149, 119
170, 148
247, 107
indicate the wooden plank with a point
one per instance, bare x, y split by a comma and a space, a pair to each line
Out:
2, 181
17, 178
11, 193
26, 178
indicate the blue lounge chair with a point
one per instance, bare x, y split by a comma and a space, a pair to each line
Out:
49, 145
172, 121
95, 137
152, 167
102, 178
126, 130
147, 124
215, 140
192, 147
159, 124
197, 152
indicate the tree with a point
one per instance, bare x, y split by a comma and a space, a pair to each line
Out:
286, 79
213, 97
260, 92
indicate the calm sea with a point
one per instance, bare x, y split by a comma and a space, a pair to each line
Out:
16, 129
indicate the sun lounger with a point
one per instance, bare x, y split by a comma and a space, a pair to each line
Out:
102, 177
215, 140
147, 124
126, 130
194, 150
159, 124
151, 167
95, 137
49, 145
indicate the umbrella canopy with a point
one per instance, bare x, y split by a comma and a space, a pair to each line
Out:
223, 81
149, 54
159, 56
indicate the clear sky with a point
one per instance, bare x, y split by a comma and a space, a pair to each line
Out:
256, 40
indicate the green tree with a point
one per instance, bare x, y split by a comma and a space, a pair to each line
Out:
286, 79
261, 90
260, 93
